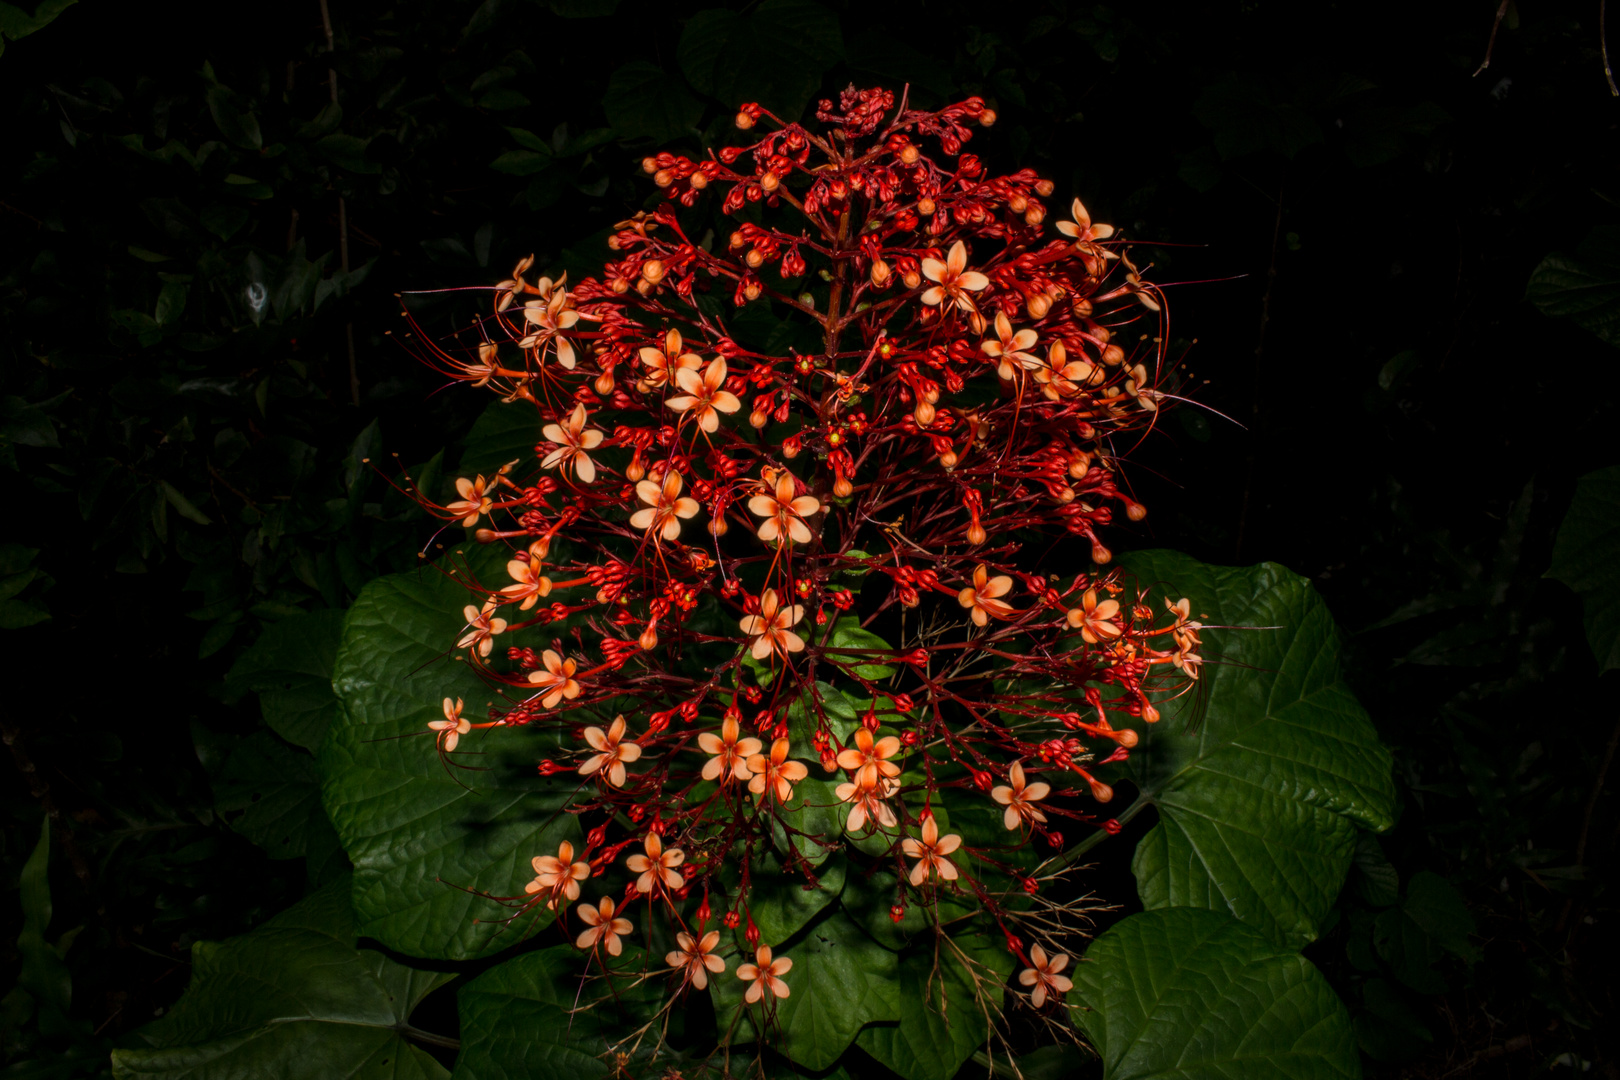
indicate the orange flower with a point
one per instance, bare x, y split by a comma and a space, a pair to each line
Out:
981, 598
558, 874
1093, 617
1081, 228
601, 926
515, 286
665, 506
573, 441
868, 758
1044, 975
1011, 349
551, 316
764, 975
769, 628
473, 503
776, 774
482, 626
557, 679
783, 513
696, 959
1137, 387
452, 727
705, 397
931, 852
1020, 798
954, 279
612, 751
661, 364
728, 755
531, 583
868, 803
657, 866
1061, 377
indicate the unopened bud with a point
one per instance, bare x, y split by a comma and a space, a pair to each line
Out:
758, 419
1150, 714
698, 180
976, 534
1038, 305
912, 279
738, 240
791, 447
1101, 791
925, 413
925, 207
663, 178
485, 536
1035, 215
948, 459
1100, 554
744, 122
649, 165
842, 488
1135, 511
1044, 188
1017, 204
755, 259
987, 117
909, 154
1127, 738
880, 272
653, 271
769, 181
649, 638
604, 384
1113, 355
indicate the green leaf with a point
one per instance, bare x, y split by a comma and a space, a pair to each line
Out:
644, 100
1586, 557
236, 123
293, 992
775, 54
848, 634
1187, 994
517, 1019
421, 839
182, 505
272, 795
1258, 806
503, 431
1431, 921
44, 975
942, 1015
346, 152
16, 23
290, 667
782, 902
522, 162
841, 980
1247, 115
1585, 287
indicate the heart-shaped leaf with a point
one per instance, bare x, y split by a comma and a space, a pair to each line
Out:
1258, 804
774, 54
943, 1006
1188, 994
425, 837
291, 668
291, 993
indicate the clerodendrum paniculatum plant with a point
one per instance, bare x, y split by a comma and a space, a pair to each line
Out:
693, 534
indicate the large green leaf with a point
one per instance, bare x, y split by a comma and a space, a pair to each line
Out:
841, 980
1258, 805
1194, 994
504, 431
645, 101
291, 668
292, 995
943, 1020
421, 838
1586, 557
271, 794
774, 54
516, 1022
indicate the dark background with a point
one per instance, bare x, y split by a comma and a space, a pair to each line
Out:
1349, 215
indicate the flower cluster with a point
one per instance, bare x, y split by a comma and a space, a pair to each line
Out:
800, 497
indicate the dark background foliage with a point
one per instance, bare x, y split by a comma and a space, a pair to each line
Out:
199, 253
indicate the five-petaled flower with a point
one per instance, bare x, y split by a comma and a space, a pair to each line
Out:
1094, 617
776, 774
452, 727
482, 626
728, 755
1020, 798
931, 852
550, 317
529, 582
867, 800
954, 279
1012, 350
982, 597
705, 398
665, 508
1081, 229
764, 974
868, 760
770, 628
574, 443
514, 286
555, 679
601, 926
1061, 377
695, 959
657, 866
1044, 975
784, 515
660, 364
612, 751
558, 874
473, 502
